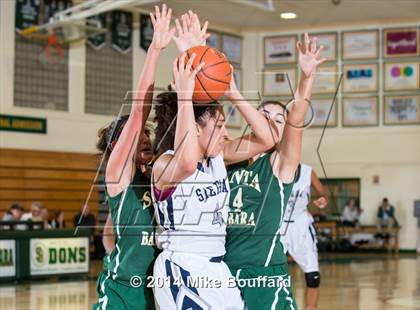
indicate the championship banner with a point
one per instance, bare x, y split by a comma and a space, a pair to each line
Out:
23, 124
27, 13
7, 258
97, 42
53, 6
59, 255
121, 30
146, 31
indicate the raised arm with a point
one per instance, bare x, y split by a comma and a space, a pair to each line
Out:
190, 33
289, 150
169, 170
322, 200
121, 167
263, 134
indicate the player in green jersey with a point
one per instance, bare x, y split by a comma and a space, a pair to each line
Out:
130, 257
260, 189
127, 149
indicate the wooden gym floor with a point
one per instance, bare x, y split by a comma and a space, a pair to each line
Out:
369, 281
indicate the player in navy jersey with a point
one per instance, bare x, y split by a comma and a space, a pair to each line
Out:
190, 189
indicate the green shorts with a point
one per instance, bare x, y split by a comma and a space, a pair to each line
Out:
265, 287
115, 295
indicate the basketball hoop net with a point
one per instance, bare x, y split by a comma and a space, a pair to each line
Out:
52, 49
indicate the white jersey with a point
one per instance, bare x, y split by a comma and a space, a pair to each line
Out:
300, 196
298, 234
186, 289
193, 219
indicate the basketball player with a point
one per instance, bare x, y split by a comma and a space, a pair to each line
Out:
297, 232
127, 150
190, 188
260, 189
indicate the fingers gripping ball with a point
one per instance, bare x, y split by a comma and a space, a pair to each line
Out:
212, 81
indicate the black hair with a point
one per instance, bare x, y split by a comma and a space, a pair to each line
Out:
16, 206
272, 102
166, 110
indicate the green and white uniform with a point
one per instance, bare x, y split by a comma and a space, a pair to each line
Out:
256, 208
132, 259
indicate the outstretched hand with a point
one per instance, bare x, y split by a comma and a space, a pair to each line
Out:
309, 55
184, 76
162, 35
321, 202
190, 33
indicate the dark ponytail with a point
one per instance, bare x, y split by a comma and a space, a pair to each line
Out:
166, 110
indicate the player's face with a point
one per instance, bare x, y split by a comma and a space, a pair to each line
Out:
144, 150
213, 135
277, 114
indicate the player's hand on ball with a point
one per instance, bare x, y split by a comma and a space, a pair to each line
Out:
184, 76
162, 35
190, 33
321, 202
232, 89
309, 55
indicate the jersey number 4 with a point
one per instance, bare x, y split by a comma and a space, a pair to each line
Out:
237, 202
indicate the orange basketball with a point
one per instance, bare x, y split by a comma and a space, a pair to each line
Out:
213, 79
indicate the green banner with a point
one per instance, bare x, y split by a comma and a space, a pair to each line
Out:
53, 6
23, 124
97, 42
27, 13
122, 30
146, 31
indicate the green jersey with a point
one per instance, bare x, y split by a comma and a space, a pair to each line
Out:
256, 208
132, 219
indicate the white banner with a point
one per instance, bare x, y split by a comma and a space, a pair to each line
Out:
59, 255
7, 258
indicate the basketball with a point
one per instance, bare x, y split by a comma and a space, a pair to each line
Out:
214, 78
226, 154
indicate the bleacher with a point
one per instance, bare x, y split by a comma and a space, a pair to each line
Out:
60, 180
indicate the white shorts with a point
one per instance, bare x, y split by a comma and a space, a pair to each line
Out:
299, 239
192, 282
